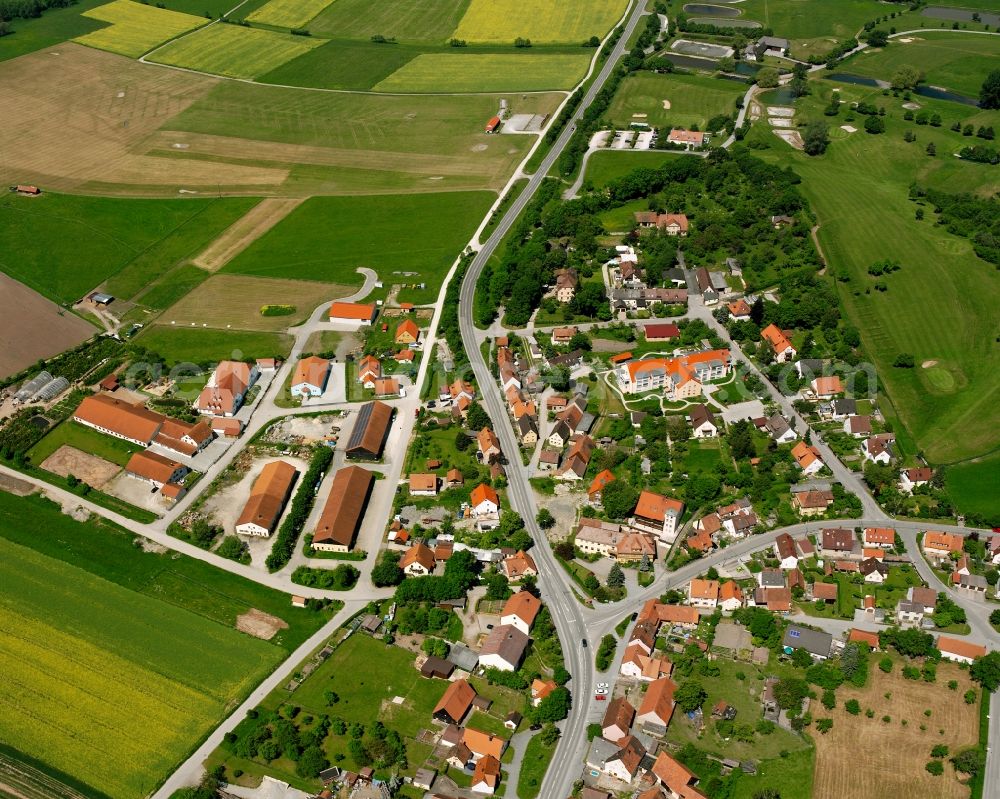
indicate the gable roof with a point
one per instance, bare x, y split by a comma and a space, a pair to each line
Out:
345, 503
774, 336
956, 646
407, 328
507, 642
703, 589
619, 713
131, 421
857, 636
524, 605
655, 506
700, 414
487, 771
805, 454
519, 564
950, 542
151, 466
352, 311
370, 429
838, 539
659, 700
268, 495
483, 493
420, 554
456, 700
880, 535
311, 370
602, 479
825, 591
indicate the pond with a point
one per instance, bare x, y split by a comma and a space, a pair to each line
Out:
783, 95
720, 11
857, 80
726, 23
960, 15
39, 421
943, 94
690, 62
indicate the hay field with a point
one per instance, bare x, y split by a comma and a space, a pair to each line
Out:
235, 51
136, 28
887, 759
542, 21
79, 122
234, 301
441, 72
32, 327
288, 13
111, 686
429, 21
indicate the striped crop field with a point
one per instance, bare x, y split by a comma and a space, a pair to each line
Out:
439, 72
235, 51
110, 686
542, 21
136, 28
288, 13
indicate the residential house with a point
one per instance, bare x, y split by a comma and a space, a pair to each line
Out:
658, 515
387, 387
424, 485
703, 593
779, 342
703, 422
882, 537
785, 551
661, 331
574, 465
777, 427
805, 547
858, 636
816, 642
709, 294
566, 283
959, 651
909, 614
541, 689
657, 706
756, 51
486, 776
489, 445
678, 378
520, 611
518, 566
155, 469
671, 224
227, 388
837, 543
617, 720
485, 505
640, 665
914, 478
701, 540
632, 547
812, 503
677, 779
923, 595
562, 335
879, 448
624, 764
597, 486
407, 333
418, 560
310, 377
874, 571
596, 537
825, 592
739, 311
858, 426
599, 753
527, 430
730, 596
688, 139
369, 370
503, 648
827, 387
807, 457
939, 546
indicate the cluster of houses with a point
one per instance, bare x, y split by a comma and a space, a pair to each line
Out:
654, 520
628, 289
730, 522
475, 752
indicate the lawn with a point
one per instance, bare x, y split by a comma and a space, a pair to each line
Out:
791, 776
954, 61
461, 72
85, 439
972, 487
67, 245
606, 166
55, 26
136, 28
862, 178
235, 51
89, 689
892, 753
693, 100
541, 21
702, 456
407, 238
288, 13
429, 21
203, 345
537, 757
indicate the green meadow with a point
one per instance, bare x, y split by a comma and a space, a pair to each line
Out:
406, 239
67, 245
605, 166
972, 487
205, 345
941, 305
693, 100
113, 674
448, 72
814, 26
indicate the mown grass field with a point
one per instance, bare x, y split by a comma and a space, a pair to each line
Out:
136, 28
234, 301
542, 21
406, 239
55, 26
941, 305
85, 439
429, 21
111, 686
343, 64
814, 26
169, 289
693, 99
973, 487
446, 72
603, 167
65, 245
235, 51
288, 13
954, 61
204, 344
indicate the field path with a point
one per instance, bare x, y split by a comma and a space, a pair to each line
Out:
245, 231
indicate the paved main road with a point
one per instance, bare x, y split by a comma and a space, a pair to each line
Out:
565, 610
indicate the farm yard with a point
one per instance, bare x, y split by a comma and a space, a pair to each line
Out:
91, 691
209, 345
33, 327
432, 72
136, 28
244, 297
85, 439
430, 21
234, 51
288, 13
542, 21
406, 239
863, 177
949, 60
673, 100
892, 754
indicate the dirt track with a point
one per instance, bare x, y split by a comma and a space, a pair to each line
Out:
244, 231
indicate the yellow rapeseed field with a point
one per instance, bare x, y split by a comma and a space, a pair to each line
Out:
542, 21
288, 13
136, 28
